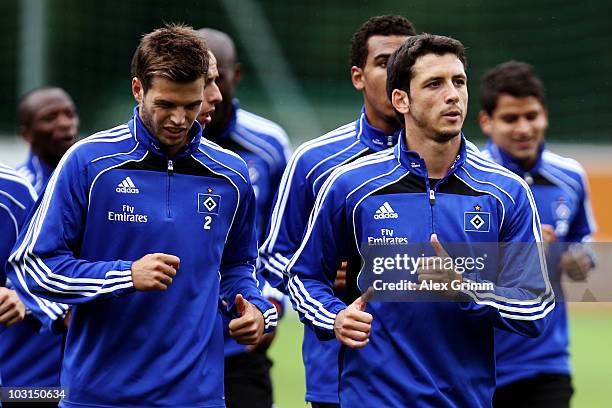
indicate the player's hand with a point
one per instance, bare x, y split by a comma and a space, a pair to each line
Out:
353, 325
154, 271
264, 342
434, 271
576, 263
548, 236
249, 327
340, 282
67, 318
12, 309
267, 338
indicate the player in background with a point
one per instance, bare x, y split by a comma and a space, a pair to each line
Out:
144, 227
375, 129
16, 199
264, 146
536, 372
48, 121
422, 353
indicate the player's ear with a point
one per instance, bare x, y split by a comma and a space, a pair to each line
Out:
400, 101
545, 113
357, 78
484, 120
237, 74
137, 90
25, 134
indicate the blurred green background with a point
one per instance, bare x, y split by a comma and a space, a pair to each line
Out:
295, 54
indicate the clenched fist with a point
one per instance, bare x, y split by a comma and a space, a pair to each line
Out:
154, 271
12, 309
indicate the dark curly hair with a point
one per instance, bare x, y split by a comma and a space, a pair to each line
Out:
379, 25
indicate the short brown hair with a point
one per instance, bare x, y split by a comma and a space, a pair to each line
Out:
175, 52
399, 67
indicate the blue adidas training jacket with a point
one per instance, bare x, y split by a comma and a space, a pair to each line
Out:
113, 198
264, 146
560, 190
306, 172
30, 355
35, 171
422, 354
16, 199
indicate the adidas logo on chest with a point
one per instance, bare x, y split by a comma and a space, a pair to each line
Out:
127, 186
385, 212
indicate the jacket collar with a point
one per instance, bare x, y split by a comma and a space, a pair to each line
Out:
372, 137
413, 162
40, 168
502, 157
151, 143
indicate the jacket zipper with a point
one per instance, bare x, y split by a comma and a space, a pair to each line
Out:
432, 201
170, 173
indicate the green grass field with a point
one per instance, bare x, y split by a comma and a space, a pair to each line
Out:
591, 336
591, 348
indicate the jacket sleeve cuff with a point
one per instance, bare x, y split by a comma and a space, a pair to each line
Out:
269, 312
323, 333
128, 286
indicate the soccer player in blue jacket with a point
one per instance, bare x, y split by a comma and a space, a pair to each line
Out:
375, 129
48, 121
536, 372
16, 199
432, 189
264, 146
143, 227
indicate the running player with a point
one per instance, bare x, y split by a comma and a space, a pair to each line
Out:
536, 372
432, 189
264, 146
16, 199
144, 227
48, 122
375, 129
